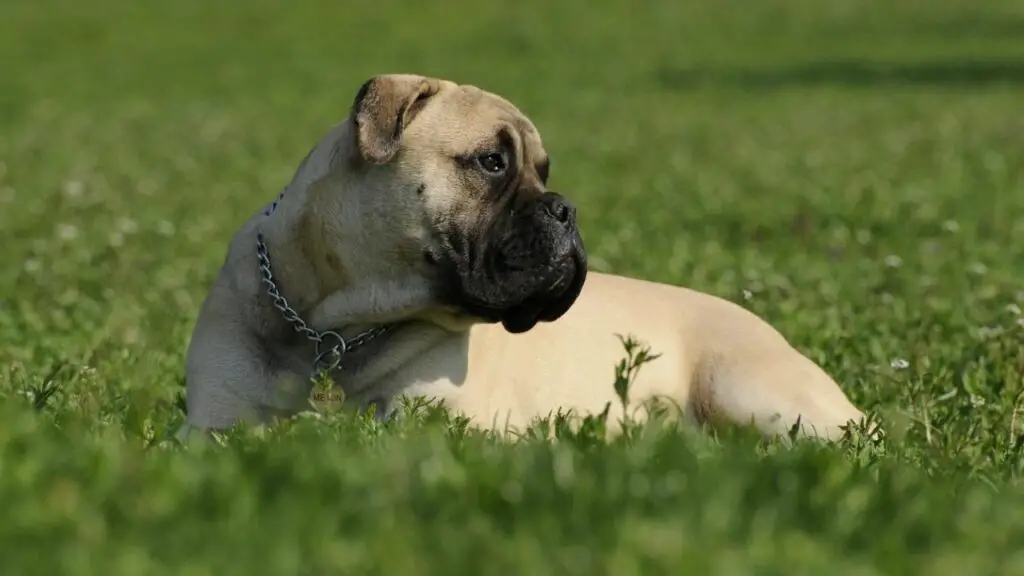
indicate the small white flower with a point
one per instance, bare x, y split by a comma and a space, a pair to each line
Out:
1013, 308
67, 232
893, 261
127, 225
951, 226
899, 364
73, 188
165, 228
986, 332
747, 294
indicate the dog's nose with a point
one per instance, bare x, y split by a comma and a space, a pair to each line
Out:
558, 208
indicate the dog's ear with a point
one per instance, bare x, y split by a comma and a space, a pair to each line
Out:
382, 109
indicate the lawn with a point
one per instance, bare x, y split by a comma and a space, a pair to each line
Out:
851, 171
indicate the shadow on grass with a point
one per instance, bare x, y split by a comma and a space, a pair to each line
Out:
851, 73
972, 26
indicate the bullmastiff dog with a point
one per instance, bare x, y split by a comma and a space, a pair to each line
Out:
418, 252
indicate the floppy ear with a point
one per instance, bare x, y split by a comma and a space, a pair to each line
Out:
382, 109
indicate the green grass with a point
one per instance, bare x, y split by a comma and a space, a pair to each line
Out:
851, 171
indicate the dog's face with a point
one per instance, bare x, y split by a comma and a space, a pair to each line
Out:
456, 181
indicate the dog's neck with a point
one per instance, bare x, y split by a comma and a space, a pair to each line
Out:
311, 279
317, 282
352, 311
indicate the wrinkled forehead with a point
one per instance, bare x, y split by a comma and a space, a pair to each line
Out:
472, 120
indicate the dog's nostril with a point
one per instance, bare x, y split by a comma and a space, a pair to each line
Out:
561, 212
557, 208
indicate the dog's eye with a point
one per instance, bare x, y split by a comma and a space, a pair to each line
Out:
493, 163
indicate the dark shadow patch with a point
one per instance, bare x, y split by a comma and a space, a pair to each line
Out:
973, 27
850, 73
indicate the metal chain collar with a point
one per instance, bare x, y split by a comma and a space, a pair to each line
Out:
330, 346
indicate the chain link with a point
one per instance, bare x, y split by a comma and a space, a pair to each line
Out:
330, 346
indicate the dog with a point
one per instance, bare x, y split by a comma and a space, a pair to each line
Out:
418, 252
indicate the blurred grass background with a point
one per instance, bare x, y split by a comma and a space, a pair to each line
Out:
849, 170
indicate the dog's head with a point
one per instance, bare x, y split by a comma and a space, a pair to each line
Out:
449, 183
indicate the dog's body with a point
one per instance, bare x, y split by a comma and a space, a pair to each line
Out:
428, 211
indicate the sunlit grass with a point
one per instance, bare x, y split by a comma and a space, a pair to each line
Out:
851, 172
